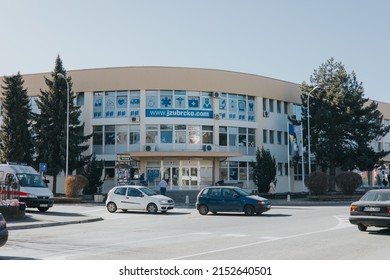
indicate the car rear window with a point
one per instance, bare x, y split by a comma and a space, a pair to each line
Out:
376, 196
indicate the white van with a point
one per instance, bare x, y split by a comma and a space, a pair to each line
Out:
33, 190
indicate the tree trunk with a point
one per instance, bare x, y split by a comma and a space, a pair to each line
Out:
55, 184
332, 178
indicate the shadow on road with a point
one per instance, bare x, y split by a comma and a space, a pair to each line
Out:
385, 231
254, 216
168, 213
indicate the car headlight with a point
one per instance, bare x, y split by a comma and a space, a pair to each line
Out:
31, 195
163, 201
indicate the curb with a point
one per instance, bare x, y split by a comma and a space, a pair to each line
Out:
52, 224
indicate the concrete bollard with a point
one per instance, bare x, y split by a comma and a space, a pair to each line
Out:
187, 200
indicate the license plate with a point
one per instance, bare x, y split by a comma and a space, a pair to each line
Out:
43, 205
372, 209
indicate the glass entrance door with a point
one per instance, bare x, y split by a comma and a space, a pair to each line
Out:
190, 176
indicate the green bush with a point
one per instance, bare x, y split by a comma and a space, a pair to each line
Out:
348, 182
317, 183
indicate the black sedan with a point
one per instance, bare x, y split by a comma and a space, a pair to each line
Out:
373, 209
3, 231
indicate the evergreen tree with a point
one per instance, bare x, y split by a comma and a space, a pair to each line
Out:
343, 123
93, 172
50, 126
15, 136
264, 170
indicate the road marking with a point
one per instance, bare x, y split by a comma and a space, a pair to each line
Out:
340, 225
234, 235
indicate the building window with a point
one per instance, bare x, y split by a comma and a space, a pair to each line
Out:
121, 138
271, 105
251, 137
233, 170
243, 170
297, 111
223, 136
207, 134
242, 137
134, 103
109, 104
251, 108
109, 135
265, 100
80, 99
180, 99
121, 103
180, 134
279, 106
151, 134
285, 108
151, 99
134, 137
233, 136
271, 137
98, 104
265, 136
280, 169
166, 99
279, 137
194, 134
109, 139
232, 106
166, 134
98, 139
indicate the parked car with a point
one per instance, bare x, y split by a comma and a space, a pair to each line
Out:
131, 197
3, 231
373, 209
230, 199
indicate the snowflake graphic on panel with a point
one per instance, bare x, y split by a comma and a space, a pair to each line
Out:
166, 102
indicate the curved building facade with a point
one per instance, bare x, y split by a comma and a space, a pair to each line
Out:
193, 126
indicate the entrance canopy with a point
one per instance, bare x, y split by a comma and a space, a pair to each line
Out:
211, 155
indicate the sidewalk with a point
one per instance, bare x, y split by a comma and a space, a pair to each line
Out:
49, 219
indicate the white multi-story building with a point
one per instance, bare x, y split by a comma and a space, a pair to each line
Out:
195, 126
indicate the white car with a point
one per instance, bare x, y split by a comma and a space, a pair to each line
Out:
131, 197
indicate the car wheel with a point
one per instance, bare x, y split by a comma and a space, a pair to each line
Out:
152, 208
111, 207
249, 210
43, 209
362, 227
203, 209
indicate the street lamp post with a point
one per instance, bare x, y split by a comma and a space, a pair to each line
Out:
308, 128
60, 75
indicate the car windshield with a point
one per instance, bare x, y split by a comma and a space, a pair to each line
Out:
376, 196
147, 191
241, 192
30, 180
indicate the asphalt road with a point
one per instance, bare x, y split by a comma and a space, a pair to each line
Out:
283, 233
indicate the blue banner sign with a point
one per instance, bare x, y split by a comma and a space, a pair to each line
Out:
179, 113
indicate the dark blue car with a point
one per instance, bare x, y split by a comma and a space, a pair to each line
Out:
230, 199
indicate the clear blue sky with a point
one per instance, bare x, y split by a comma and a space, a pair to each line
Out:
281, 39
